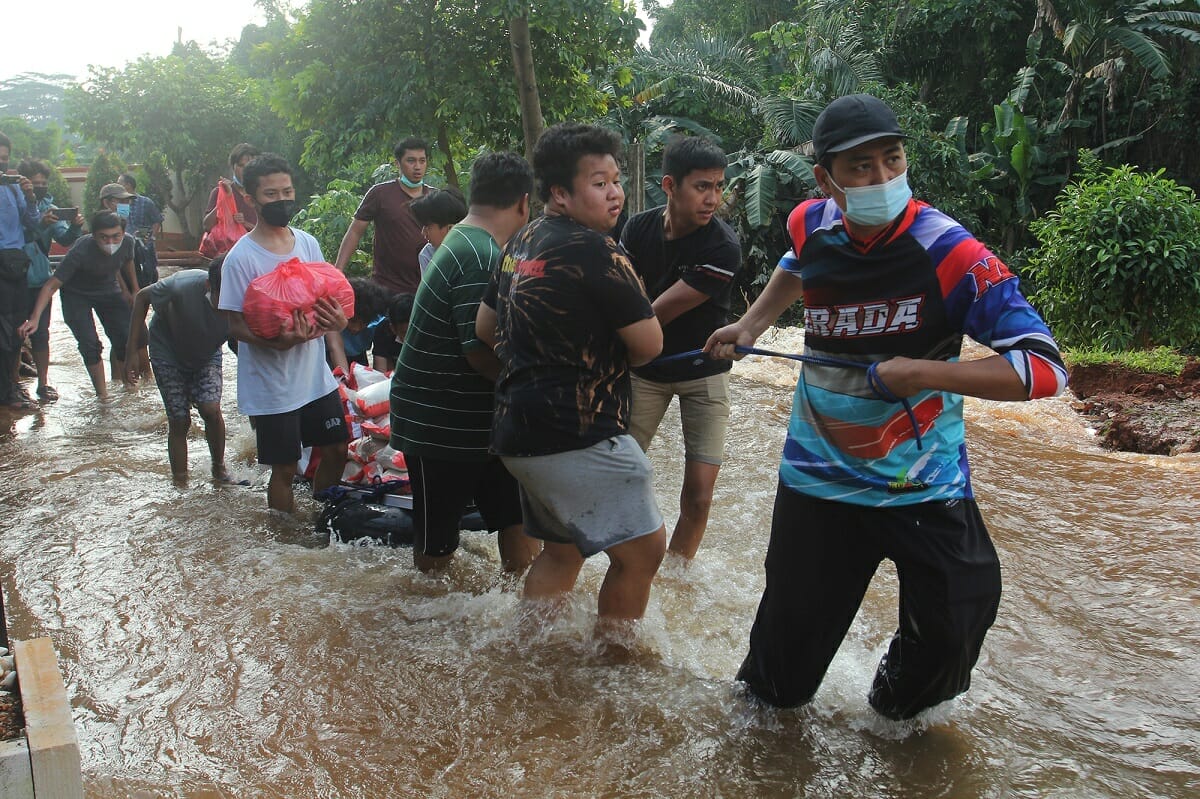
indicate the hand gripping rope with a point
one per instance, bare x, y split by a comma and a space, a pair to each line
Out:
874, 382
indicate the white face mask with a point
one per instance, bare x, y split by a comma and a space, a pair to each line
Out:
879, 204
111, 249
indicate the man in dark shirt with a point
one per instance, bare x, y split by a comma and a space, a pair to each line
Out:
398, 237
568, 316
90, 277
688, 259
183, 343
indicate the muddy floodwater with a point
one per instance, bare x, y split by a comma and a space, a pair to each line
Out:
213, 650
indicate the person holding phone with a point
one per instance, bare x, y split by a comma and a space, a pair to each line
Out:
17, 211
62, 225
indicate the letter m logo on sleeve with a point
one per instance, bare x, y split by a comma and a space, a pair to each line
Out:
988, 272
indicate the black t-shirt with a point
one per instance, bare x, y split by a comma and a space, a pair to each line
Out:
384, 344
707, 260
561, 294
90, 271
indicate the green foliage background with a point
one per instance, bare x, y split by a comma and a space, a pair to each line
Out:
1119, 260
1000, 98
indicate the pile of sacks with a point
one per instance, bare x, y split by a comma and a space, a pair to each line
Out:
370, 459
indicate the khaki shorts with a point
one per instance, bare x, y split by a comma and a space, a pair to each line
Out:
703, 409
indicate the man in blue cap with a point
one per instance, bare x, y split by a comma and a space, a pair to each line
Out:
891, 283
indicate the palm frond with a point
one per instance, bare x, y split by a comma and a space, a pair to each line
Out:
1149, 53
789, 120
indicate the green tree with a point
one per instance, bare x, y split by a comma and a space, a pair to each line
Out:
1098, 38
682, 20
189, 106
105, 169
35, 97
1119, 262
357, 76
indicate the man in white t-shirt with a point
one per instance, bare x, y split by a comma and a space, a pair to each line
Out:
283, 383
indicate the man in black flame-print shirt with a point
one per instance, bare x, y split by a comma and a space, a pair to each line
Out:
569, 317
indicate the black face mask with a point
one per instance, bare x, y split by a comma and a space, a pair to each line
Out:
278, 213
41, 192
3, 167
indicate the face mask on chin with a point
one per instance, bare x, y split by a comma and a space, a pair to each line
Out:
879, 204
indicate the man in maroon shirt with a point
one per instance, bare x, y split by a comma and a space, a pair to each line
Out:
398, 238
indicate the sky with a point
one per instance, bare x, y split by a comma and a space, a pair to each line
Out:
86, 32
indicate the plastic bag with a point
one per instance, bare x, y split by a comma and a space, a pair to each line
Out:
293, 285
227, 231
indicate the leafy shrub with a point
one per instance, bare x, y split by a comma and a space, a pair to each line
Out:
1119, 261
328, 215
103, 170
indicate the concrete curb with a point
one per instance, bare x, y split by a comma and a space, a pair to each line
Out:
46, 764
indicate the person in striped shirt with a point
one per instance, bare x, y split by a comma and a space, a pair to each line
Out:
443, 388
892, 284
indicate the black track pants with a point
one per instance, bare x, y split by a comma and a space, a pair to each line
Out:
820, 560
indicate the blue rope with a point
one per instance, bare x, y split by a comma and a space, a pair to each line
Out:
874, 381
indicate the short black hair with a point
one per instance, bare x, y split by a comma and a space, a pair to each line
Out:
103, 220
411, 143
214, 273
686, 154
556, 154
400, 309
370, 299
31, 166
260, 167
242, 150
126, 177
444, 207
500, 180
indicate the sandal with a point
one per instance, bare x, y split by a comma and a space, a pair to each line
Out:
47, 393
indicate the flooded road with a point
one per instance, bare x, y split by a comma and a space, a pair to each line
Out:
211, 650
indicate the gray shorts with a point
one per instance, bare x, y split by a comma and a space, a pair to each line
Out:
594, 498
703, 412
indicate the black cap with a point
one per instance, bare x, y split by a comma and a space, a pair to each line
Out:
851, 120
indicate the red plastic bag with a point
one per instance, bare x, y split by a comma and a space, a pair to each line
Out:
227, 231
293, 285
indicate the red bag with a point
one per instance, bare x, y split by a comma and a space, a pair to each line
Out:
227, 231
293, 285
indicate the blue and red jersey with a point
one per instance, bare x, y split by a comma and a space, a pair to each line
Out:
913, 291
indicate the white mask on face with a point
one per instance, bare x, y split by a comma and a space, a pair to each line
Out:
111, 249
878, 204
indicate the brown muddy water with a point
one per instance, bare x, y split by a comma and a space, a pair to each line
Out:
211, 650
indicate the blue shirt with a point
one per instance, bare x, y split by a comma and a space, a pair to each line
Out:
15, 214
